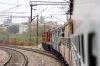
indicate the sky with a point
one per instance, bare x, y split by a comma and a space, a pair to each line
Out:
24, 7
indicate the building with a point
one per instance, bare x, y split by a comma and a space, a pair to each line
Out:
3, 28
23, 27
8, 22
51, 23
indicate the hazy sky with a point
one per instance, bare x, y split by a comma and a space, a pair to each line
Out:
26, 8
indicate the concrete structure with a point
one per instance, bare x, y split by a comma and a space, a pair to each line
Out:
23, 27
8, 23
3, 28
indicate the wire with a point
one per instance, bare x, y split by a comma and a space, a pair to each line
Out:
17, 4
7, 3
57, 18
16, 12
12, 8
39, 14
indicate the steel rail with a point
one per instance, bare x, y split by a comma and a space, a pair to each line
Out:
43, 52
33, 50
25, 57
10, 56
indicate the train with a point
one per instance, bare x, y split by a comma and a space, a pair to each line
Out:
81, 41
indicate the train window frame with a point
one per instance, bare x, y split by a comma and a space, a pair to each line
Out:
79, 43
82, 48
59, 33
55, 33
79, 47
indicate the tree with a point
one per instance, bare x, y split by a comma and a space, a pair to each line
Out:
2, 31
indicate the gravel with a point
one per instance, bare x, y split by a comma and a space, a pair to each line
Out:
4, 56
17, 59
36, 59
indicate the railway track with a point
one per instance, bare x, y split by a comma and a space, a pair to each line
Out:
34, 50
7, 59
16, 58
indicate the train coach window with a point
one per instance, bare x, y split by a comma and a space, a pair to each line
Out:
59, 33
79, 48
82, 43
79, 43
92, 49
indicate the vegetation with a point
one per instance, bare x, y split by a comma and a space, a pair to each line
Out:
23, 39
2, 31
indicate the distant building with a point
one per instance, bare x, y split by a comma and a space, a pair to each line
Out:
51, 23
23, 27
13, 29
8, 23
4, 28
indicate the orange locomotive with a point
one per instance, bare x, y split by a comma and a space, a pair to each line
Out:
47, 40
47, 36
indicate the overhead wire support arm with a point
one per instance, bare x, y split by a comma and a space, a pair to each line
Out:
39, 14
35, 3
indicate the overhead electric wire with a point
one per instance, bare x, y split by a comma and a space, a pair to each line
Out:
57, 18
11, 8
3, 12
16, 12
39, 14
15, 16
7, 3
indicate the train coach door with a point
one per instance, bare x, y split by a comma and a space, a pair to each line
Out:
92, 50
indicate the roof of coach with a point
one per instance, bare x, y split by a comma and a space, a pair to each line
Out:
59, 27
55, 28
66, 24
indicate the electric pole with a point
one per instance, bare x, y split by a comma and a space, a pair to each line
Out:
30, 25
44, 25
37, 31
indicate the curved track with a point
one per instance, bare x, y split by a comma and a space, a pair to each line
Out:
16, 58
33, 50
43, 52
7, 59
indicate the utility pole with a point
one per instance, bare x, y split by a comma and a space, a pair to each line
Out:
37, 31
44, 25
30, 25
